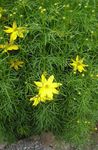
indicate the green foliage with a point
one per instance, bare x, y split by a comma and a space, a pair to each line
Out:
54, 37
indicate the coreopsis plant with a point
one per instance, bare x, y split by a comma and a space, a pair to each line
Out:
57, 31
15, 31
78, 64
8, 47
46, 89
16, 64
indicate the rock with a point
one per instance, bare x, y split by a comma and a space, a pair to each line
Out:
48, 139
2, 146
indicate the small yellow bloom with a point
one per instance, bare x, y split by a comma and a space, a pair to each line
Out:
83, 75
46, 89
96, 75
78, 121
86, 122
91, 75
16, 64
14, 13
78, 65
8, 47
40, 7
96, 128
15, 31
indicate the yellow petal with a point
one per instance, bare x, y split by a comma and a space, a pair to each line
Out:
35, 103
13, 47
13, 36
16, 67
81, 61
77, 58
55, 85
14, 25
31, 99
39, 84
9, 30
36, 100
2, 46
43, 79
49, 95
74, 66
11, 66
73, 60
80, 68
20, 34
74, 63
51, 78
55, 91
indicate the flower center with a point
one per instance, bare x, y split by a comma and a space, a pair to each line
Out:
46, 86
78, 63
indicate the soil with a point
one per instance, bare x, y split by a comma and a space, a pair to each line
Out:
48, 142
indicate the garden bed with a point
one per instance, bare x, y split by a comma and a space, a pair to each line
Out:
49, 69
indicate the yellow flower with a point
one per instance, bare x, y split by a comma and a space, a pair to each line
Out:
15, 31
16, 64
8, 47
46, 89
78, 64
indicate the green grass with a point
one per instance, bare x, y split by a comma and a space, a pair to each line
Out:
67, 29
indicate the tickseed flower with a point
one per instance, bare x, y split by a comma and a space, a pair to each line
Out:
78, 64
16, 64
46, 89
8, 47
15, 31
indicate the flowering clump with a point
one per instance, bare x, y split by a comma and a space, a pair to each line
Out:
46, 89
8, 47
16, 64
78, 64
15, 31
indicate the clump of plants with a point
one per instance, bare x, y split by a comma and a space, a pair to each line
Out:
48, 69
